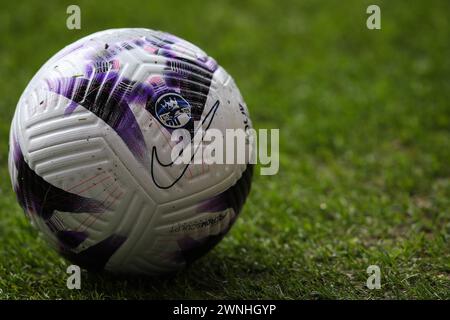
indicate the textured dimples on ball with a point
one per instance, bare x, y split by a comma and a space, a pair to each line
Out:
90, 150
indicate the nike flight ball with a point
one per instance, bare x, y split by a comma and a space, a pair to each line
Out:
97, 144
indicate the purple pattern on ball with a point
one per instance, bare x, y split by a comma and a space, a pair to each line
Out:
107, 96
71, 239
37, 196
95, 257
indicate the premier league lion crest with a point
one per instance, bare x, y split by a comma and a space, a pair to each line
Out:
173, 111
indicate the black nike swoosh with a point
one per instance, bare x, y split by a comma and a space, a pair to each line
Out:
207, 119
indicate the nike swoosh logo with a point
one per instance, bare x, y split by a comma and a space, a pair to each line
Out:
208, 119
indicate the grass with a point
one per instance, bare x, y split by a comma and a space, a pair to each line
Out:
365, 148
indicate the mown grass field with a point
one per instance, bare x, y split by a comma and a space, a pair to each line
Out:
365, 148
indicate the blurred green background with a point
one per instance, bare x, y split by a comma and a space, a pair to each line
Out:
365, 147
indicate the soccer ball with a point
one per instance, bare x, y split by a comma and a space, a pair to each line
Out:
90, 152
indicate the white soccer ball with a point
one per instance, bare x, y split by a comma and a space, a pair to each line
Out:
90, 152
